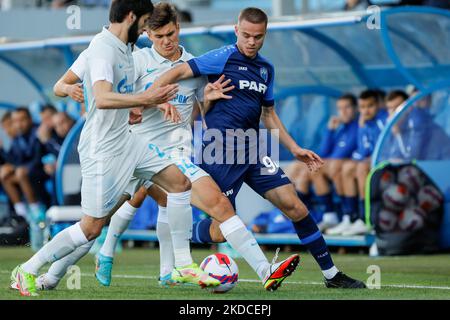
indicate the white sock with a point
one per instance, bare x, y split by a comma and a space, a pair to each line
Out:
61, 245
330, 273
179, 212
34, 206
165, 243
59, 268
119, 223
21, 209
245, 243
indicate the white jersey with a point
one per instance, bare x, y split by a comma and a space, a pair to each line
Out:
105, 132
79, 65
149, 65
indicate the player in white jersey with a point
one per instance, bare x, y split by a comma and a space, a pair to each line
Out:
110, 154
176, 139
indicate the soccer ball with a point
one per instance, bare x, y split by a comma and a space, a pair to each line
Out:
223, 268
411, 219
429, 198
395, 197
387, 220
412, 178
387, 178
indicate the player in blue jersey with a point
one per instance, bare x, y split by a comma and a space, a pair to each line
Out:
372, 119
252, 101
337, 145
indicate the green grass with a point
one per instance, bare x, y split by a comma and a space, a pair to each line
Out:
136, 270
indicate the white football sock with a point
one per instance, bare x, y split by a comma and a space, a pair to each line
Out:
21, 209
61, 245
119, 223
330, 273
179, 212
59, 268
245, 244
165, 242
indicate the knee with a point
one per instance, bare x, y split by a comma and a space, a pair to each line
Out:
182, 184
316, 175
93, 228
21, 173
362, 169
348, 169
335, 170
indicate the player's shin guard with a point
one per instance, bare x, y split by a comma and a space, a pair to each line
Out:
312, 238
179, 212
200, 231
61, 245
119, 223
165, 242
245, 244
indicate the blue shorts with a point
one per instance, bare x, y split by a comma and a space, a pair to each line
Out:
230, 178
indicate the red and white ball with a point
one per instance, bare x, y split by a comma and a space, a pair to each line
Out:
412, 219
387, 220
395, 197
429, 198
387, 178
223, 268
412, 178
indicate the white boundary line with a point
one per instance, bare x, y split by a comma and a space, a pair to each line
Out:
314, 283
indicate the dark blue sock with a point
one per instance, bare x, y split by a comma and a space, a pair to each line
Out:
326, 202
350, 207
312, 238
362, 210
200, 231
306, 198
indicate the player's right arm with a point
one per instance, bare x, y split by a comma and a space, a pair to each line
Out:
68, 84
210, 63
105, 98
180, 72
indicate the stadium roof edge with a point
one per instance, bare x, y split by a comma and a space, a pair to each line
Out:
284, 23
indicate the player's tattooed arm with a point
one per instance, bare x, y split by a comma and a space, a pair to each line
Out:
68, 85
272, 122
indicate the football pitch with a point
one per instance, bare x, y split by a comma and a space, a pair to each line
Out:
136, 270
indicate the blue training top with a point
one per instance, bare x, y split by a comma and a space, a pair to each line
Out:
253, 80
368, 135
341, 142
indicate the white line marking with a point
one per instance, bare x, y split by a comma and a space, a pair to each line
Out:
314, 283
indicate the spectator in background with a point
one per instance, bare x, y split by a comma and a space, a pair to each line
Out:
25, 174
11, 132
62, 123
338, 143
354, 5
396, 144
354, 172
45, 130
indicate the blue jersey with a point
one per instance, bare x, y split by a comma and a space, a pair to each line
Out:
27, 151
341, 142
253, 80
368, 136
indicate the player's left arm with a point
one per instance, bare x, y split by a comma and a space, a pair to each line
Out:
272, 122
215, 91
